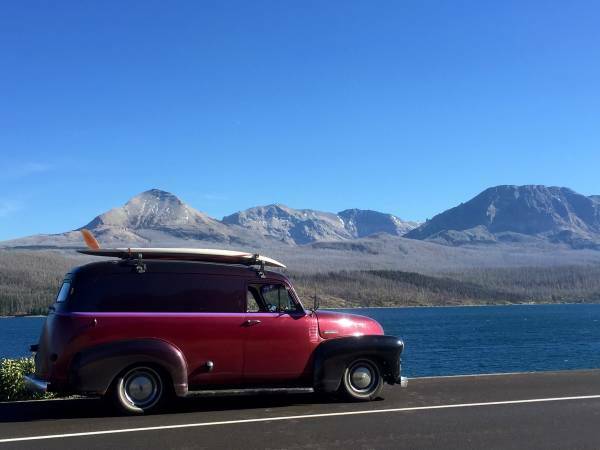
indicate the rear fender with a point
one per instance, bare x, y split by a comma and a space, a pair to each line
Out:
94, 369
333, 356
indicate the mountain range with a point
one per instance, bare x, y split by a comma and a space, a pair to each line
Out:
304, 226
516, 215
506, 244
157, 217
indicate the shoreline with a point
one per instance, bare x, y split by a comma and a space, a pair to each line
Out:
467, 305
391, 307
17, 316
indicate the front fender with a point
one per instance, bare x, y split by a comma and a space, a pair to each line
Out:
333, 356
94, 369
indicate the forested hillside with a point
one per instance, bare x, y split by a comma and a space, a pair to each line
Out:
29, 281
478, 287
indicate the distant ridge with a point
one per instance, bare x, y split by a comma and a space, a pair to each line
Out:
522, 216
294, 226
365, 222
159, 218
304, 226
518, 214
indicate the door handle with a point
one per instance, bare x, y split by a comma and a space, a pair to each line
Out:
251, 322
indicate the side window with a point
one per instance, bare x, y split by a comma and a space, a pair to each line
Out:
277, 298
63, 293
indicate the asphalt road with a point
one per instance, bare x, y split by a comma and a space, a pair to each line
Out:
559, 410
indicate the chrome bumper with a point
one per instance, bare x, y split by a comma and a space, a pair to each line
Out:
34, 384
402, 381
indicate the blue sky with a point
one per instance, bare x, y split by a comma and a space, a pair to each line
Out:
408, 107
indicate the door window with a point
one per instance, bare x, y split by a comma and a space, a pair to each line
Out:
253, 300
277, 298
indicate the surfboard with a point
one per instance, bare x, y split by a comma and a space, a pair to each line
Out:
186, 254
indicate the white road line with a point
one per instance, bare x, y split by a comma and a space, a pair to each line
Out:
473, 375
305, 416
502, 374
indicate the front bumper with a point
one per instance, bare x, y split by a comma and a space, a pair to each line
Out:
403, 382
34, 384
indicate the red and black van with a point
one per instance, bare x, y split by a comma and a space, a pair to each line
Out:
143, 333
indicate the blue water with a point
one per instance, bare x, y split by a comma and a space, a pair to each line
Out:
490, 339
450, 341
17, 334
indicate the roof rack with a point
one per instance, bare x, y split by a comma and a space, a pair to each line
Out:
186, 254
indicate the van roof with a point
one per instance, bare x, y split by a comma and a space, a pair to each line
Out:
124, 266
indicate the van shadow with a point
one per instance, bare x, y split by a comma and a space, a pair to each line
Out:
80, 408
26, 411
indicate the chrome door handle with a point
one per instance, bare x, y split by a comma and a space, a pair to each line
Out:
251, 322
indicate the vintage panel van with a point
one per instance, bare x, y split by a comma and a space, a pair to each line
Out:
153, 324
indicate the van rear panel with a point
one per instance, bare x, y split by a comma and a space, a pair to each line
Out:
58, 330
53, 357
104, 303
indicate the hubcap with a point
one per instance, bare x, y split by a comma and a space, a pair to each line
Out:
142, 388
361, 377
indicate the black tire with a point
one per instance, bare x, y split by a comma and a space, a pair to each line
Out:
140, 390
362, 380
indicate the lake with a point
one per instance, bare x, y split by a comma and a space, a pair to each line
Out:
449, 341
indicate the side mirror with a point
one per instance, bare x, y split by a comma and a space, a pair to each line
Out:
316, 303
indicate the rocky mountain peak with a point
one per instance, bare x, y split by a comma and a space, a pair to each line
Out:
549, 212
151, 209
301, 226
365, 222
156, 216
158, 195
298, 226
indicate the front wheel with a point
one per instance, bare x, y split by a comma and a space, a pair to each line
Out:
139, 390
362, 380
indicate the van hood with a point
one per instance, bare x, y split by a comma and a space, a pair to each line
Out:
333, 324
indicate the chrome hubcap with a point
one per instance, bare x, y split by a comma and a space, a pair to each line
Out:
361, 377
142, 388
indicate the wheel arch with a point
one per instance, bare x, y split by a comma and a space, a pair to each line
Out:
333, 356
93, 370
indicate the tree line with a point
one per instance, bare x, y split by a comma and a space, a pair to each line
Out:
29, 281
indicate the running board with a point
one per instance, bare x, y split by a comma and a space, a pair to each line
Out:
261, 391
252, 391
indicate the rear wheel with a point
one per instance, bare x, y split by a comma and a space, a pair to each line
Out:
362, 380
139, 390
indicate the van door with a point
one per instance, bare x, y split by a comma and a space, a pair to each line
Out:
215, 343
278, 342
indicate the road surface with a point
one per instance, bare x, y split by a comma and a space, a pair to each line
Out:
552, 410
